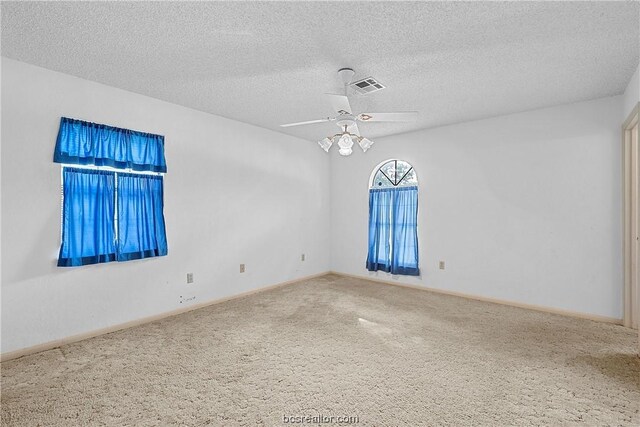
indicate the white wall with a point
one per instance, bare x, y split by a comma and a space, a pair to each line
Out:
524, 207
234, 193
632, 94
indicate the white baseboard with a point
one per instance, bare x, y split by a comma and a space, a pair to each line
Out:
85, 335
568, 313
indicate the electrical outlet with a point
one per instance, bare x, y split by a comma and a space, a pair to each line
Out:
241, 268
441, 264
189, 277
302, 257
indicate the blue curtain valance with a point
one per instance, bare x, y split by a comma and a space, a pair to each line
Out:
86, 143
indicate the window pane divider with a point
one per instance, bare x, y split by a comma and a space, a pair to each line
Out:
403, 176
387, 176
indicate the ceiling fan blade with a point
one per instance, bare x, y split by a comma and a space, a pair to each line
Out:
354, 129
340, 103
305, 123
404, 116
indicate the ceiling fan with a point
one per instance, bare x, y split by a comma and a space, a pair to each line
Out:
347, 120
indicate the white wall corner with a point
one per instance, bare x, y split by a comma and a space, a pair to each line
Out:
631, 94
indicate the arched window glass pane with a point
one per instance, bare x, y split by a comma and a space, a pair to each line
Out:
394, 173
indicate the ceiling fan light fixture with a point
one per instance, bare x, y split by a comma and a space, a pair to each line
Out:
365, 143
345, 142
345, 151
325, 144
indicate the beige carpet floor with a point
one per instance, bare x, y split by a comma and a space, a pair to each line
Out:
334, 346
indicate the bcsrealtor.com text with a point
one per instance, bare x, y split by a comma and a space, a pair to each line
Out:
320, 419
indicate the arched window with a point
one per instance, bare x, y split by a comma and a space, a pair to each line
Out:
393, 173
393, 219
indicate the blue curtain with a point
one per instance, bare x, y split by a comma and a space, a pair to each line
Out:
404, 232
380, 203
141, 230
87, 218
88, 143
393, 234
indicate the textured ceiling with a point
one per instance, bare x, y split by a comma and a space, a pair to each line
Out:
270, 63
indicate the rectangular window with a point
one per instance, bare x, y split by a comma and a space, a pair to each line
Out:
111, 216
393, 235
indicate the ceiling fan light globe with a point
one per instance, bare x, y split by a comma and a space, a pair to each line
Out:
325, 144
365, 144
345, 151
345, 142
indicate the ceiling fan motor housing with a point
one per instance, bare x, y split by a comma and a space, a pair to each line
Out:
345, 120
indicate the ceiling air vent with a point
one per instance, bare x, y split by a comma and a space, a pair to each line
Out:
365, 86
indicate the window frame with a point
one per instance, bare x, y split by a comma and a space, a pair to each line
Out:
115, 171
395, 183
394, 186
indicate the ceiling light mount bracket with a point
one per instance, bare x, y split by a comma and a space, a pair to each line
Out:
346, 74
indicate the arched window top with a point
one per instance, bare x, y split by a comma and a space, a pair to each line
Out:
393, 173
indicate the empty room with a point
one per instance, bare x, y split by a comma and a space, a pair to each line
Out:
320, 213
